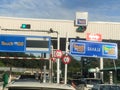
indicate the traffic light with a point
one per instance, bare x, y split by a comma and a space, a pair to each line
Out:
26, 26
81, 29
85, 61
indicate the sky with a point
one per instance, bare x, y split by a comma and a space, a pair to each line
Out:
98, 10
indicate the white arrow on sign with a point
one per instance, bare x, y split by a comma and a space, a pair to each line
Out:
94, 37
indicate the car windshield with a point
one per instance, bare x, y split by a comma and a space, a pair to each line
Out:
92, 81
109, 87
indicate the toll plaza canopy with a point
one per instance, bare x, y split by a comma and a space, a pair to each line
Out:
55, 27
41, 27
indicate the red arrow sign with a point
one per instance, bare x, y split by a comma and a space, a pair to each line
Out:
94, 37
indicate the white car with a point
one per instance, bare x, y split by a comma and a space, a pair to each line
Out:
28, 82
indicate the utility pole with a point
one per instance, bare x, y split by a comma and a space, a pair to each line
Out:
58, 48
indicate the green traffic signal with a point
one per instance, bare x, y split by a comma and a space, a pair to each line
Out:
81, 29
25, 26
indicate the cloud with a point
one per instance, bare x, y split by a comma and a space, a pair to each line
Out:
61, 9
32, 8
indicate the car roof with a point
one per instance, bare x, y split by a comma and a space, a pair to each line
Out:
37, 85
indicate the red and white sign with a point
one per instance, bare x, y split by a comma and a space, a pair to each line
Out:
94, 37
58, 54
53, 59
66, 59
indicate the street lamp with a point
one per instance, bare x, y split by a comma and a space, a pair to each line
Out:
58, 60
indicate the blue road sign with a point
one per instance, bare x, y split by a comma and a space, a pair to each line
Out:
19, 43
9, 43
93, 49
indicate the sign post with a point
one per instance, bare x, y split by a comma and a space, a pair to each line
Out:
96, 37
101, 67
58, 60
64, 58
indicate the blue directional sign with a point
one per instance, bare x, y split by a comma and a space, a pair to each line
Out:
9, 43
20, 43
93, 49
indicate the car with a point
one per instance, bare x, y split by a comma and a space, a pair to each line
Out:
29, 82
31, 85
85, 83
106, 87
92, 81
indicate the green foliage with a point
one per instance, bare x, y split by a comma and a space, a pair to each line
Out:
1, 64
20, 63
74, 65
